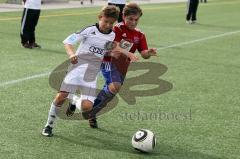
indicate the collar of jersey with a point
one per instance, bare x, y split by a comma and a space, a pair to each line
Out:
97, 25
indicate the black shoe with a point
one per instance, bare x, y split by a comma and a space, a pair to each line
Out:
93, 123
71, 109
47, 131
35, 45
27, 46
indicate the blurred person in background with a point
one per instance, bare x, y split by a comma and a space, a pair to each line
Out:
120, 4
31, 13
192, 6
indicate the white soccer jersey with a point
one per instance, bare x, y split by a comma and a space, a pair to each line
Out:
93, 41
90, 54
33, 4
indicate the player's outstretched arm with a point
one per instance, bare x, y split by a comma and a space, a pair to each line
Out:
117, 50
70, 51
146, 54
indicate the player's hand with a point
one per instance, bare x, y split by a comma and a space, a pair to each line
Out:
116, 54
74, 59
133, 57
152, 52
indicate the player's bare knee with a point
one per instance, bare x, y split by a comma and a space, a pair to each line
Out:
60, 98
86, 105
114, 87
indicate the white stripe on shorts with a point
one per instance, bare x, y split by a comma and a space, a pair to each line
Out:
24, 20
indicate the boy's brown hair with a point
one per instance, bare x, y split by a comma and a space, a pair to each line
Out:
110, 11
132, 9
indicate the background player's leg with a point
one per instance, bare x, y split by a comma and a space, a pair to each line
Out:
23, 38
35, 17
194, 13
25, 29
189, 11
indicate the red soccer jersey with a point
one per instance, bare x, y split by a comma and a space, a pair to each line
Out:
137, 40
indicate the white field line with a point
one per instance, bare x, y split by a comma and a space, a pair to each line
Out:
24, 79
199, 40
161, 48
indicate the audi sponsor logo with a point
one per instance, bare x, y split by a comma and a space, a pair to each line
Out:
96, 50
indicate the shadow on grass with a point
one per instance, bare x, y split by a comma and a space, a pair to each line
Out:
52, 51
102, 139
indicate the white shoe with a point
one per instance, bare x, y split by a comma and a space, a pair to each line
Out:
194, 22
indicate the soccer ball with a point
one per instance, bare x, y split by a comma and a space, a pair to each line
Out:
144, 140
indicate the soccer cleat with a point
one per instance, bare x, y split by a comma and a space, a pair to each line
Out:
71, 109
27, 46
93, 123
47, 131
35, 45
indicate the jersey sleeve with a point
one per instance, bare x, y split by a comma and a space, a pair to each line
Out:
76, 37
143, 43
118, 34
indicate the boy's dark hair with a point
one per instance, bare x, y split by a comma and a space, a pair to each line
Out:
132, 9
110, 11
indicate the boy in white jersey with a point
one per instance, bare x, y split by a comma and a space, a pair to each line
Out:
94, 45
